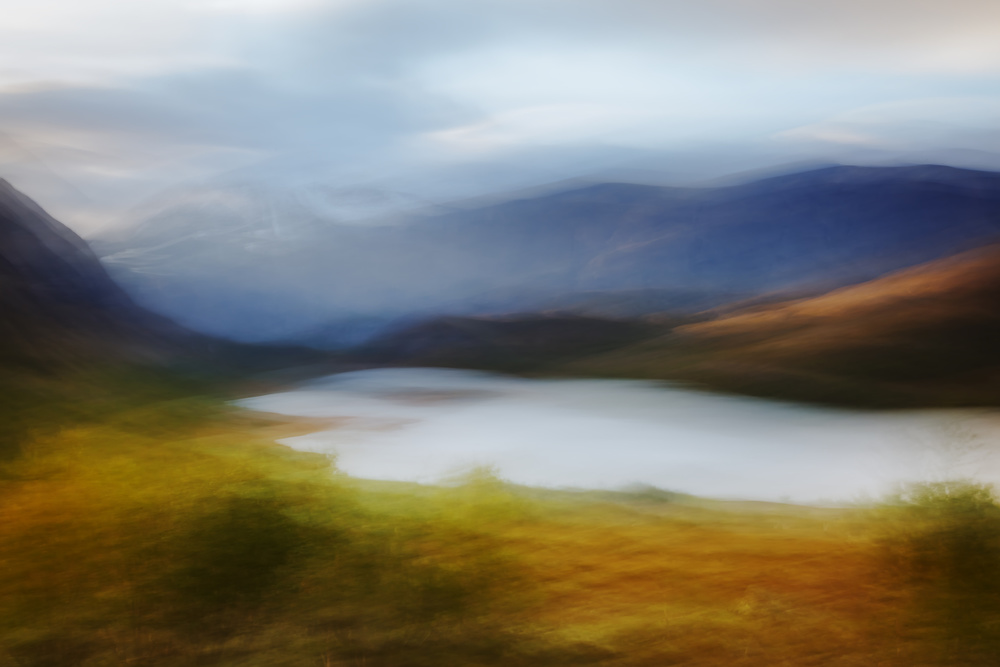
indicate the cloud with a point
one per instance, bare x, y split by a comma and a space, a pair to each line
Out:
940, 123
119, 144
114, 100
958, 36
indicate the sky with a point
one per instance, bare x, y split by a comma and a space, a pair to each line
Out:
106, 104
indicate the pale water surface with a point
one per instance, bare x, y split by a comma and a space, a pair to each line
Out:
424, 425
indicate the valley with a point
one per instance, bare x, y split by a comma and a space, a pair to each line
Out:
617, 494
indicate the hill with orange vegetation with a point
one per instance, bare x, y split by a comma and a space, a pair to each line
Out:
923, 336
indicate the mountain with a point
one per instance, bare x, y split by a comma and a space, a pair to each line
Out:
75, 347
58, 301
281, 271
924, 336
61, 308
245, 260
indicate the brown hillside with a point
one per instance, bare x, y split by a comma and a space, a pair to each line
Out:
923, 336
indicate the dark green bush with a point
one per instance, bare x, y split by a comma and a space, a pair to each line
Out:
944, 548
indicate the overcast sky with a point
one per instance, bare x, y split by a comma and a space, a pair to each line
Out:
104, 103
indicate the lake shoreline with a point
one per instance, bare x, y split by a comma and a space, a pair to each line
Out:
424, 425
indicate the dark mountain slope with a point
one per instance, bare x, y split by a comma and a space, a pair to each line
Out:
58, 303
60, 308
45, 261
279, 274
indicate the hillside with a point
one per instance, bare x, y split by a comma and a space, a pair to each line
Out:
59, 304
922, 336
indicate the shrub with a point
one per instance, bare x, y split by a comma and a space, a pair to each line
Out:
944, 549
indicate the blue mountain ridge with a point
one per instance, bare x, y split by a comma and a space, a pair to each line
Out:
810, 231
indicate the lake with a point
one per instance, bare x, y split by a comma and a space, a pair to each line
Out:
427, 424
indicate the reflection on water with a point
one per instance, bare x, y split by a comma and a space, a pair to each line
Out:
423, 425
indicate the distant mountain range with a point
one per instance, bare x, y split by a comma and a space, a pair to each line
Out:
860, 286
285, 273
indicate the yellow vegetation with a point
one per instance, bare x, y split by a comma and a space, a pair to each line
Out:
207, 544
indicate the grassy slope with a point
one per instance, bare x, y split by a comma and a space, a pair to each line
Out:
156, 535
924, 336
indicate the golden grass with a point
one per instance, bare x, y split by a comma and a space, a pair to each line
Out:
209, 544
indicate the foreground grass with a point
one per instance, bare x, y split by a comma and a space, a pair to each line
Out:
175, 532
